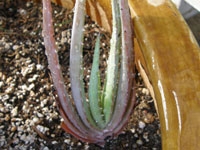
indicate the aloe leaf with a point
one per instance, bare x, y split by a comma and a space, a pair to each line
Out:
127, 88
113, 60
94, 87
54, 66
76, 71
70, 128
67, 109
125, 96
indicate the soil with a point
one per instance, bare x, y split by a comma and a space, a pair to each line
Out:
29, 118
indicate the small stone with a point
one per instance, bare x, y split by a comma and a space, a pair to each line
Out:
42, 129
136, 135
35, 119
40, 115
7, 46
1, 115
32, 93
63, 38
39, 67
28, 61
22, 12
7, 118
3, 77
25, 107
67, 141
1, 74
141, 125
139, 142
14, 112
53, 135
15, 47
33, 78
23, 137
41, 90
143, 105
14, 128
54, 142
86, 147
27, 70
145, 91
17, 56
5, 97
9, 79
1, 84
16, 140
149, 118
145, 136
31, 86
10, 90
54, 104
28, 4
79, 144
45, 148
20, 128
133, 130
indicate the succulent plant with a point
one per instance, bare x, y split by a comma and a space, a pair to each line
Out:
108, 110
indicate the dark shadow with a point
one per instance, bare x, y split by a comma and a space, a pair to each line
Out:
194, 24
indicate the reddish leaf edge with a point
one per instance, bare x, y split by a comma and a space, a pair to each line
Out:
127, 70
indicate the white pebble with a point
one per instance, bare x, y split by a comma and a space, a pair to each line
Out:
67, 141
7, 46
22, 12
54, 142
39, 67
14, 112
35, 119
42, 129
1, 84
31, 87
40, 115
15, 47
28, 4
133, 130
141, 125
45, 148
27, 70
139, 142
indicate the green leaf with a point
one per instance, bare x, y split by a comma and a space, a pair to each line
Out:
95, 88
113, 61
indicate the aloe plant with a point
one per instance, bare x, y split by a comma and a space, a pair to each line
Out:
108, 110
